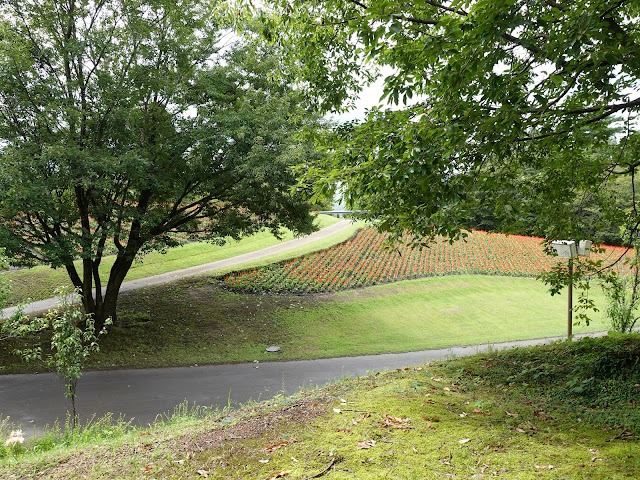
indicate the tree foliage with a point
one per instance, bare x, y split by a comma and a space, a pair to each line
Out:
73, 339
501, 95
5, 285
623, 295
124, 121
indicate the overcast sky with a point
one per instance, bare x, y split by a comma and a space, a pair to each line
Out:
369, 97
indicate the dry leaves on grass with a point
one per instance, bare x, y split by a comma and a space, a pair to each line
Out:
395, 422
276, 475
544, 467
479, 412
276, 446
364, 416
365, 444
143, 447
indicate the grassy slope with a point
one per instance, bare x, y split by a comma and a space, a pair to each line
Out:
39, 282
195, 321
433, 313
446, 420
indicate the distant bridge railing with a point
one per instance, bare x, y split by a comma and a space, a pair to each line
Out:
341, 213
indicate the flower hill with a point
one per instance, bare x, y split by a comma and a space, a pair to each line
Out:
366, 259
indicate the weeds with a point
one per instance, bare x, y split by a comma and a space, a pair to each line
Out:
94, 431
600, 378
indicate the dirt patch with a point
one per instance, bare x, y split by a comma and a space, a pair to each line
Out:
264, 425
157, 450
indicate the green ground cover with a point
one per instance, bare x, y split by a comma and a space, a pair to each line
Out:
197, 321
559, 418
39, 282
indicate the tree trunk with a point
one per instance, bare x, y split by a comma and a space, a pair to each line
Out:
106, 306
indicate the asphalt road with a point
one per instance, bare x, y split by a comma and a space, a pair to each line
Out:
33, 401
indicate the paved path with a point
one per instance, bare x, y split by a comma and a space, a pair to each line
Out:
35, 400
44, 305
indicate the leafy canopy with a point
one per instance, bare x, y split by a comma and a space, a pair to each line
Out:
502, 96
124, 121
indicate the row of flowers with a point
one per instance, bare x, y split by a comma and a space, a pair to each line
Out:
366, 259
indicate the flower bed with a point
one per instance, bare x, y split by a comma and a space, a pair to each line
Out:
366, 259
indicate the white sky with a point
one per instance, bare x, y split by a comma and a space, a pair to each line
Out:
369, 98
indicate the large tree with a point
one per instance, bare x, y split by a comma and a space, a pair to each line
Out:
123, 121
490, 95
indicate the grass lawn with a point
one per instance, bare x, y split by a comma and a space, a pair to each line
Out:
195, 321
39, 282
444, 420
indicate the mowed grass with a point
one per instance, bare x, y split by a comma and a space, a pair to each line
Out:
451, 419
39, 282
197, 321
433, 313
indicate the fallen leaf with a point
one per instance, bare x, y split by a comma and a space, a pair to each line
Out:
544, 467
395, 422
463, 414
595, 451
495, 448
203, 473
364, 444
264, 461
519, 430
337, 410
464, 440
478, 412
149, 468
276, 446
430, 426
275, 475
511, 414
541, 414
431, 419
362, 417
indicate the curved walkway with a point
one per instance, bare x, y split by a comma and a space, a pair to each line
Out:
44, 305
33, 401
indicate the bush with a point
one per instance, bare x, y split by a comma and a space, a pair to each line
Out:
73, 340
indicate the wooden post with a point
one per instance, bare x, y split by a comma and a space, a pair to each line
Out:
570, 306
